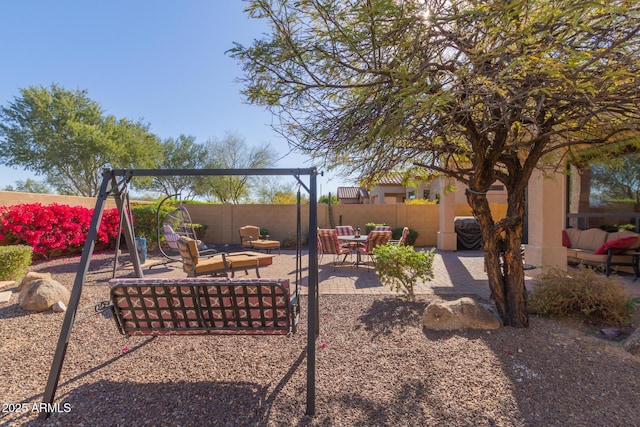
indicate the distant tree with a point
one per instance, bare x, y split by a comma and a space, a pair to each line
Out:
618, 178
232, 152
64, 136
271, 191
480, 91
325, 199
30, 186
181, 153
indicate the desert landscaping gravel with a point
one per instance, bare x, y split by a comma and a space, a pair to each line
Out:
375, 366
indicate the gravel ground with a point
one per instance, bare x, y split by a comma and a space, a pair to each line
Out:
375, 366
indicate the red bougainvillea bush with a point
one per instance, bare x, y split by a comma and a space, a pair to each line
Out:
54, 229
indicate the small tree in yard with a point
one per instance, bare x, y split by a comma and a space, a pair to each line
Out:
400, 267
477, 90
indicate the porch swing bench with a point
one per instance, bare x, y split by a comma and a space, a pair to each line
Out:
203, 306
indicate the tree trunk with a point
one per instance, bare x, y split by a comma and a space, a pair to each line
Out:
503, 258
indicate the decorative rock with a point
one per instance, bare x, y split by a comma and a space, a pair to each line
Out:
464, 313
41, 294
5, 296
59, 307
632, 343
31, 276
6, 284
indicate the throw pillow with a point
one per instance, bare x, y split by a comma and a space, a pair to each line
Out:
620, 244
565, 239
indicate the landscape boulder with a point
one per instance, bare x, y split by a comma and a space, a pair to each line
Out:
31, 276
463, 313
42, 294
59, 307
632, 343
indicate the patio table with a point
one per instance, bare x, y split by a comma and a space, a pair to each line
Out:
359, 240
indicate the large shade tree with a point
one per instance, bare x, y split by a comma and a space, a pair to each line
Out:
233, 152
179, 153
481, 91
65, 136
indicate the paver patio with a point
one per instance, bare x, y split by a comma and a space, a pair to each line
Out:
455, 273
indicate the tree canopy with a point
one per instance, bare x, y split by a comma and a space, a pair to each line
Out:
478, 90
274, 191
29, 186
232, 152
617, 179
65, 136
181, 153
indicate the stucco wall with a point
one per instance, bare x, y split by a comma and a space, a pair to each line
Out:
10, 198
224, 220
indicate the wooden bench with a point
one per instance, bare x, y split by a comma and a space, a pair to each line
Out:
197, 306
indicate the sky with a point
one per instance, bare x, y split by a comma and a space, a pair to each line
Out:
159, 61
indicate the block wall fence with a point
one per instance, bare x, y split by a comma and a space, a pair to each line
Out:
224, 220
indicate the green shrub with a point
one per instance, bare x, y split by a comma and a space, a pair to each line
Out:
144, 223
400, 267
581, 294
411, 238
200, 230
421, 202
615, 227
14, 261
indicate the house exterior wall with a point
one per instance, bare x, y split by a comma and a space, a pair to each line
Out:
398, 194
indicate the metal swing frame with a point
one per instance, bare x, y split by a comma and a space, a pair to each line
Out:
114, 183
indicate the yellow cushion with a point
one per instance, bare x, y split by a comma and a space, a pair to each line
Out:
210, 265
263, 244
241, 261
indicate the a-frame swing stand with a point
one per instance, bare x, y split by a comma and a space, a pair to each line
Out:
115, 184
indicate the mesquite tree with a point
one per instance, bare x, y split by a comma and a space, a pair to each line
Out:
66, 137
478, 90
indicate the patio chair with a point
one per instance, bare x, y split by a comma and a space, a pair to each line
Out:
171, 239
218, 265
382, 228
403, 237
328, 238
374, 239
346, 230
319, 245
250, 236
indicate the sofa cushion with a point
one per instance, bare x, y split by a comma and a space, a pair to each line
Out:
572, 235
619, 245
565, 239
625, 233
572, 253
590, 239
590, 257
